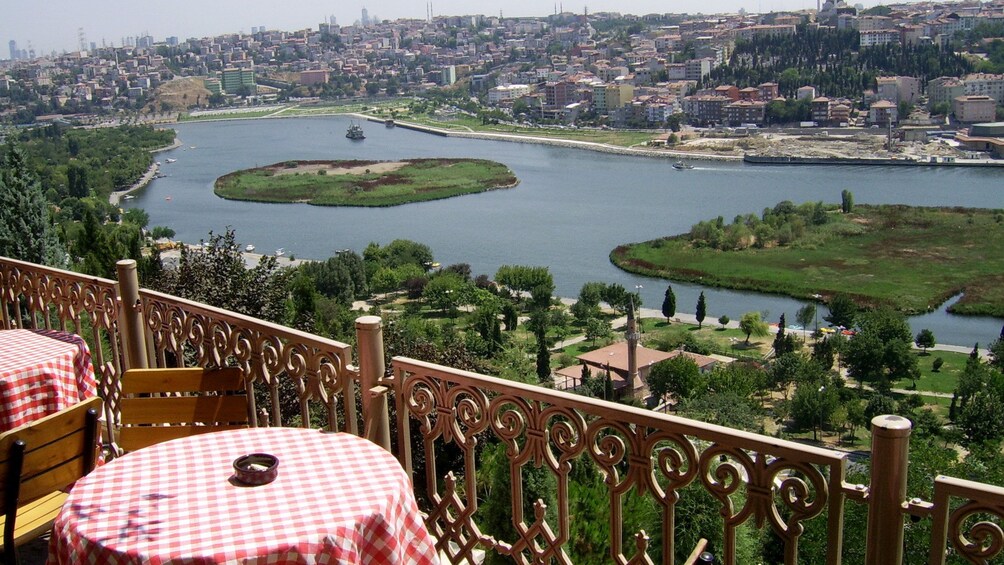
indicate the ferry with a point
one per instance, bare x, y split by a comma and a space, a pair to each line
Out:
681, 166
249, 248
355, 132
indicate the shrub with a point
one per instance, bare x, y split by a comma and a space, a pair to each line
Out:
937, 363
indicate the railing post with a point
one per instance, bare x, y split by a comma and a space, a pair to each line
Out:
889, 460
376, 419
132, 330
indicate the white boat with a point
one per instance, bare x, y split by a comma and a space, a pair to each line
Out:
681, 166
128, 197
171, 160
249, 248
280, 252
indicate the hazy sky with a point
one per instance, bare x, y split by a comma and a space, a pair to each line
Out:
54, 24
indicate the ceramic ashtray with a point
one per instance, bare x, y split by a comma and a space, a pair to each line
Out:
256, 468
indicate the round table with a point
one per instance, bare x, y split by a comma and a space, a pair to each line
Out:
42, 372
338, 498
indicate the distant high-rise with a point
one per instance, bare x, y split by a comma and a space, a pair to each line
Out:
332, 20
366, 17
13, 49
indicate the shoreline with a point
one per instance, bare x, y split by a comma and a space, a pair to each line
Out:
627, 151
116, 197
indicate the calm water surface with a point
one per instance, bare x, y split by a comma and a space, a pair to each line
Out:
571, 208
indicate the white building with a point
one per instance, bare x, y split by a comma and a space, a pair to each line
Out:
982, 84
508, 92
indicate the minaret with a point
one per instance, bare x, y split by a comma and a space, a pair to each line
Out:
632, 339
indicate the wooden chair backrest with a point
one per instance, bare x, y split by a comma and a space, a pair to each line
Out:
163, 404
46, 455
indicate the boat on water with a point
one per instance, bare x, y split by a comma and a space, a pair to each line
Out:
389, 123
249, 248
168, 198
170, 160
355, 132
128, 197
681, 166
280, 252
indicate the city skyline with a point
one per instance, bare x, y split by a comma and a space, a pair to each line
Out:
111, 21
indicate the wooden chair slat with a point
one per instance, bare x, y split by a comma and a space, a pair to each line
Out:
163, 404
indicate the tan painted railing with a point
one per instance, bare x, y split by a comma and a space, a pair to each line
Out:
440, 416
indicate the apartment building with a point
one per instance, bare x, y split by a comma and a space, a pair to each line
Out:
877, 37
982, 84
974, 109
745, 112
821, 110
883, 112
706, 109
507, 93
944, 90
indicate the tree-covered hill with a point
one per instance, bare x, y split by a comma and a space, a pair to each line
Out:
832, 61
83, 162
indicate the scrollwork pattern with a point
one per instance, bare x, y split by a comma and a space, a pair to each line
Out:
984, 539
213, 339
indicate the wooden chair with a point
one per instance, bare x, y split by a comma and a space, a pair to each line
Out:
38, 461
164, 404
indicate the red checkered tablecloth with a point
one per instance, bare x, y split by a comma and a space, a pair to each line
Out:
337, 499
41, 372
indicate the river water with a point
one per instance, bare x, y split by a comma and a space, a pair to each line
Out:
571, 208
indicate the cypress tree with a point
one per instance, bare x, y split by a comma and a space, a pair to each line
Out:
702, 310
26, 230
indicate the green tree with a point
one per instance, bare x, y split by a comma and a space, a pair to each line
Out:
881, 351
702, 310
806, 315
997, 352
752, 324
596, 329
216, 274
76, 180
26, 230
842, 311
925, 339
723, 320
846, 202
678, 376
669, 303
813, 405
588, 304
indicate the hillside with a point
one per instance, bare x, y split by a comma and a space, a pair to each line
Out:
179, 95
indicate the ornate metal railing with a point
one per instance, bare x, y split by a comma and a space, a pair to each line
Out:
766, 480
444, 418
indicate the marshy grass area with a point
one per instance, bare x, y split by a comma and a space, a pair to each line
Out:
364, 183
910, 258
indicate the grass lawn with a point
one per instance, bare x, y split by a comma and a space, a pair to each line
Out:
911, 258
943, 381
364, 183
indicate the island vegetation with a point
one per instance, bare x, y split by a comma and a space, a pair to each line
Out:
364, 183
909, 258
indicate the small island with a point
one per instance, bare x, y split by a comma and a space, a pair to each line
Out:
910, 258
364, 183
